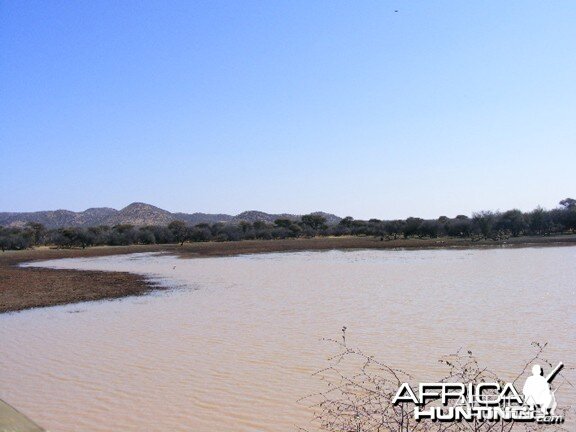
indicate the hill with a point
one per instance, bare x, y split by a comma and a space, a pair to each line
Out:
138, 214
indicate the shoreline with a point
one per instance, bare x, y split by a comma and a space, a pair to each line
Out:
23, 288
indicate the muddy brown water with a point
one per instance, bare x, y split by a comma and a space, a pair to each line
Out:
232, 345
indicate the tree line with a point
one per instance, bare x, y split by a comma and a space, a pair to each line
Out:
481, 225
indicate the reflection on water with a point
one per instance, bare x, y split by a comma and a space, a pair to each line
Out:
232, 348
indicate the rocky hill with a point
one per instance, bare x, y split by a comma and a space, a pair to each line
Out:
59, 218
138, 214
196, 218
254, 215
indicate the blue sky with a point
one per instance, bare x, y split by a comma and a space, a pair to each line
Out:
441, 108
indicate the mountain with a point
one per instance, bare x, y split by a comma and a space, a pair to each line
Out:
96, 216
59, 218
140, 214
137, 214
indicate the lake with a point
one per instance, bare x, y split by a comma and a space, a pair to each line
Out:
232, 344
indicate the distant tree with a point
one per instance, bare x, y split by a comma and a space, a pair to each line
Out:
314, 221
559, 220
18, 239
511, 221
539, 221
72, 237
295, 229
200, 233
484, 221
280, 233
459, 227
429, 228
338, 230
146, 235
394, 228
568, 215
245, 226
123, 228
38, 231
411, 226
215, 229
4, 239
259, 225
179, 231
283, 223
232, 232
123, 234
360, 227
568, 203
162, 234
347, 221
83, 238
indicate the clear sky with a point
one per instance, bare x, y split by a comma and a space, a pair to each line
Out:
441, 108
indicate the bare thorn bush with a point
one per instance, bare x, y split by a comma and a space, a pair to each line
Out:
359, 390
